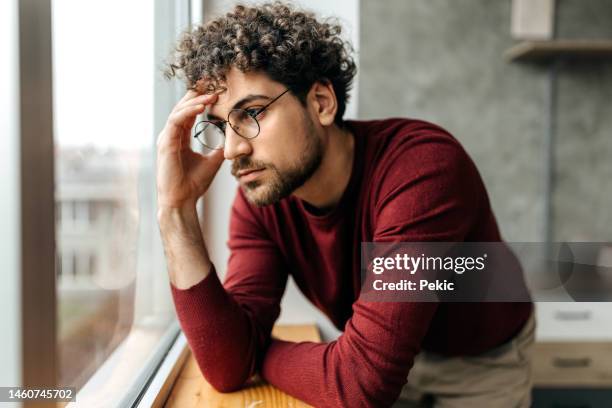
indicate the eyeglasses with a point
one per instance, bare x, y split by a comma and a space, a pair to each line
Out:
211, 133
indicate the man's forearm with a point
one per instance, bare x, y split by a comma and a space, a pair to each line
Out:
216, 327
186, 254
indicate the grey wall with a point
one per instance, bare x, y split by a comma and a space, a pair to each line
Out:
583, 197
441, 60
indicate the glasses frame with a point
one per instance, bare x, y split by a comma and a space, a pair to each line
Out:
227, 122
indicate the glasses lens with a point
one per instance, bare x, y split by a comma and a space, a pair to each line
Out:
210, 135
243, 123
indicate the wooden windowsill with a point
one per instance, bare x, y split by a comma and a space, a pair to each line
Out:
191, 389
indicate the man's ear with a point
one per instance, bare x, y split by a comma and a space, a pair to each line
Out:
324, 102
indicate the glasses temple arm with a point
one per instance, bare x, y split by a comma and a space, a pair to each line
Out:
269, 103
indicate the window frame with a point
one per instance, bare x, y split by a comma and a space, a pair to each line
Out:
36, 183
28, 350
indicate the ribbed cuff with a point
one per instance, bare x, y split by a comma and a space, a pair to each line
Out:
202, 300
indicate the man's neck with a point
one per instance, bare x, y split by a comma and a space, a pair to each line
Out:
325, 187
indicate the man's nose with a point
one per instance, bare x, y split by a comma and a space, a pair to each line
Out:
235, 145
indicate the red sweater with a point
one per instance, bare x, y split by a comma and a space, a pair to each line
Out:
411, 181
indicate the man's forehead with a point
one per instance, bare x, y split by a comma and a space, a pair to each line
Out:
228, 96
231, 96
229, 99
238, 84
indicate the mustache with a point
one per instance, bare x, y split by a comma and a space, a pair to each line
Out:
245, 163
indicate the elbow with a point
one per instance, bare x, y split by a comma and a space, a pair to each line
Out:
223, 382
224, 370
225, 385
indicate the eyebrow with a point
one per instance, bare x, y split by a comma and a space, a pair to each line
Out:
240, 104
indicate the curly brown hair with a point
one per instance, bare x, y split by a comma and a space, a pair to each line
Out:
291, 46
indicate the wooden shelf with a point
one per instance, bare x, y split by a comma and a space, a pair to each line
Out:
542, 50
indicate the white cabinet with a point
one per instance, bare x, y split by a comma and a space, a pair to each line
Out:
574, 321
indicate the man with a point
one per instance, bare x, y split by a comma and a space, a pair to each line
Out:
273, 82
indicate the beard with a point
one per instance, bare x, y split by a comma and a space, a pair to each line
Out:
281, 184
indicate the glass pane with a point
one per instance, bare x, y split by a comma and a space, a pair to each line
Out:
211, 135
104, 68
243, 123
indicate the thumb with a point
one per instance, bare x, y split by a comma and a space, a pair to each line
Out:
217, 156
215, 159
210, 164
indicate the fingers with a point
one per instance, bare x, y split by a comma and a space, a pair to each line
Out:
181, 119
188, 95
210, 165
178, 127
196, 100
185, 117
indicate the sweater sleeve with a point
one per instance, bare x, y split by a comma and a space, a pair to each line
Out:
429, 193
228, 326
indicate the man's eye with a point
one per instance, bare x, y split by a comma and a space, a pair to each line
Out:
221, 125
252, 111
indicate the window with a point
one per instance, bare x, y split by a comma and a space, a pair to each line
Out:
109, 102
84, 237
102, 111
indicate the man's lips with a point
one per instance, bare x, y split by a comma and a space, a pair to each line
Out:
245, 172
248, 174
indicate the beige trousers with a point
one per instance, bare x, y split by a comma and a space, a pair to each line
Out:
501, 377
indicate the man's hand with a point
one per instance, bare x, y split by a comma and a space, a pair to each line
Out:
182, 174
182, 177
